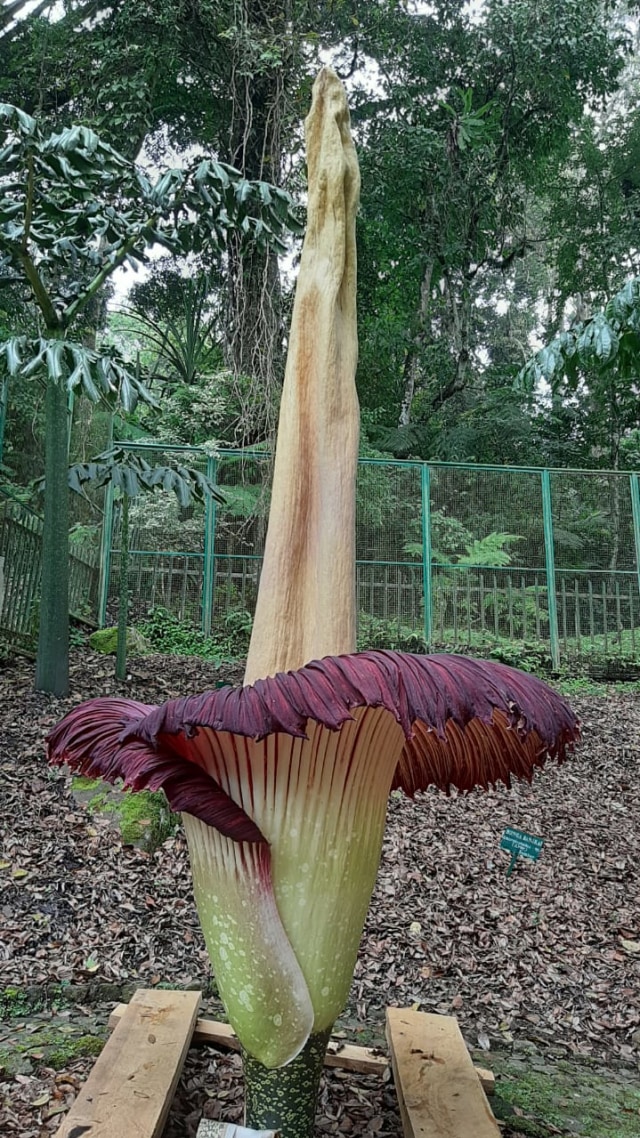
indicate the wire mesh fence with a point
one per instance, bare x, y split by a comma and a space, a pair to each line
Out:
22, 447
21, 569
448, 555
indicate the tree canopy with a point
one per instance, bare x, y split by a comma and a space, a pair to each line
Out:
497, 236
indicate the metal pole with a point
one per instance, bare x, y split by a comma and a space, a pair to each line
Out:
123, 593
635, 510
4, 401
105, 556
208, 576
70, 409
426, 551
547, 521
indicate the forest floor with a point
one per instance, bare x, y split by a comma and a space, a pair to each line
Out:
542, 968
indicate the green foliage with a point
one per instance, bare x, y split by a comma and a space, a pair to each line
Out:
185, 345
376, 633
160, 523
72, 211
95, 209
488, 551
229, 640
474, 116
595, 362
529, 656
131, 474
80, 369
448, 532
607, 342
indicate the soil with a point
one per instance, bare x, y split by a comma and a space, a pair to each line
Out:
541, 968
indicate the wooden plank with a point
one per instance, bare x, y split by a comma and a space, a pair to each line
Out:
487, 1079
348, 1056
130, 1088
345, 1055
437, 1087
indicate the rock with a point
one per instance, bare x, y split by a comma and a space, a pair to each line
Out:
143, 819
105, 640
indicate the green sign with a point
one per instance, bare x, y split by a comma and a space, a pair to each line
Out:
520, 844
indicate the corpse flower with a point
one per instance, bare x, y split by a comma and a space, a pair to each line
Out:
283, 783
283, 787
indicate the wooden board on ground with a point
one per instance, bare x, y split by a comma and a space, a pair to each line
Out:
129, 1090
487, 1079
436, 1083
347, 1056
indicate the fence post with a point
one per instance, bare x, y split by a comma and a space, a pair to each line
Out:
105, 556
208, 576
426, 551
550, 562
635, 511
123, 592
4, 402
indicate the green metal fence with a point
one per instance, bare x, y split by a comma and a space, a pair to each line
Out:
20, 572
451, 555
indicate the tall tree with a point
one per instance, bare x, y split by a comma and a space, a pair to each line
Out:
472, 117
72, 210
232, 77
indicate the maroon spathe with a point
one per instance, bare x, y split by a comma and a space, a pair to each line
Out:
466, 722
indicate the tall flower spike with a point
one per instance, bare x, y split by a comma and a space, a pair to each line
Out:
306, 604
283, 783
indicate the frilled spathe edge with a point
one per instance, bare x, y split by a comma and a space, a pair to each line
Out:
466, 723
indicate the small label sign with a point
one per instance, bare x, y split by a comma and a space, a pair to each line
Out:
520, 844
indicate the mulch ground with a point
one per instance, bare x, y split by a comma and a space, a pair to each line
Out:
550, 954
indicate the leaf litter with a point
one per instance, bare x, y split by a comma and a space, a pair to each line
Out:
548, 957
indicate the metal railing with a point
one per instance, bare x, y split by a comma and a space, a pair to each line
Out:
453, 554
21, 568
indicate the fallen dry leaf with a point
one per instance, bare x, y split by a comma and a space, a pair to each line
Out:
540, 956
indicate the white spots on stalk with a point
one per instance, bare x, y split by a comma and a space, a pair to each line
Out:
277, 1020
244, 998
325, 991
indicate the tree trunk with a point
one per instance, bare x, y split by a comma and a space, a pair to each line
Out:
411, 368
52, 664
458, 333
254, 340
285, 1098
254, 327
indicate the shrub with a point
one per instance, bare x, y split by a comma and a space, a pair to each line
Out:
229, 640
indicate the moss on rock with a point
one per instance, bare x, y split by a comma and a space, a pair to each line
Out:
53, 1045
567, 1097
80, 783
143, 819
105, 640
